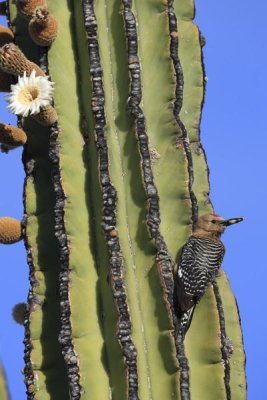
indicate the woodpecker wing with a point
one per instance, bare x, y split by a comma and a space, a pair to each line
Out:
200, 261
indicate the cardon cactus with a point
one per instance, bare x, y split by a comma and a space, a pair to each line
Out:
114, 183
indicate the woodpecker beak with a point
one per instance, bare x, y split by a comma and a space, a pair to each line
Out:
230, 221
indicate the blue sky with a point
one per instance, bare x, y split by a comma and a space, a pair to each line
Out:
234, 137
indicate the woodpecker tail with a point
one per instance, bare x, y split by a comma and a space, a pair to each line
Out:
185, 320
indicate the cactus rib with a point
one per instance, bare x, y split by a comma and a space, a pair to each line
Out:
153, 215
178, 103
42, 356
235, 345
28, 346
225, 353
177, 106
163, 258
109, 197
139, 255
65, 336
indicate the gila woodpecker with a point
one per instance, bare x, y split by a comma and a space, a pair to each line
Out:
198, 266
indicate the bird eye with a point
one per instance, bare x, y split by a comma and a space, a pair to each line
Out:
213, 221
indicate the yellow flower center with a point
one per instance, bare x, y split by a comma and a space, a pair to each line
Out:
28, 94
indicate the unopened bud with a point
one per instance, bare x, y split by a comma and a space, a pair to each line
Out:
19, 313
10, 230
43, 27
11, 136
13, 61
26, 8
47, 116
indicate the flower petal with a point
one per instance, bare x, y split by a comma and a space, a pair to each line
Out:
22, 98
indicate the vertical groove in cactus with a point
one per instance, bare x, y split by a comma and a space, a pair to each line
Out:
81, 334
233, 340
163, 258
225, 352
109, 198
111, 192
108, 313
44, 363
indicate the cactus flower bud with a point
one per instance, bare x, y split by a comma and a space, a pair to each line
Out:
10, 230
11, 136
13, 61
19, 313
43, 27
26, 8
47, 116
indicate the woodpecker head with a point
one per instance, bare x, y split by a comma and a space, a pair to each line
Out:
213, 225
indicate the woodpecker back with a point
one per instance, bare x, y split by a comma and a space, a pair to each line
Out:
199, 264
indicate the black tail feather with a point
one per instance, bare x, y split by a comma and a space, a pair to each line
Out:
185, 320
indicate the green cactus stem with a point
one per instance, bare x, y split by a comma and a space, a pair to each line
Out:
112, 190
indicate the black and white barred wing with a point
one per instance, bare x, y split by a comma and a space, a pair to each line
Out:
199, 263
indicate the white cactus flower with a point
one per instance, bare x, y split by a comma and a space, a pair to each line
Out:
30, 94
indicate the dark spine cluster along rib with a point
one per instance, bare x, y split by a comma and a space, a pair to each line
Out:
226, 347
164, 261
65, 336
153, 214
31, 299
109, 197
178, 102
177, 105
